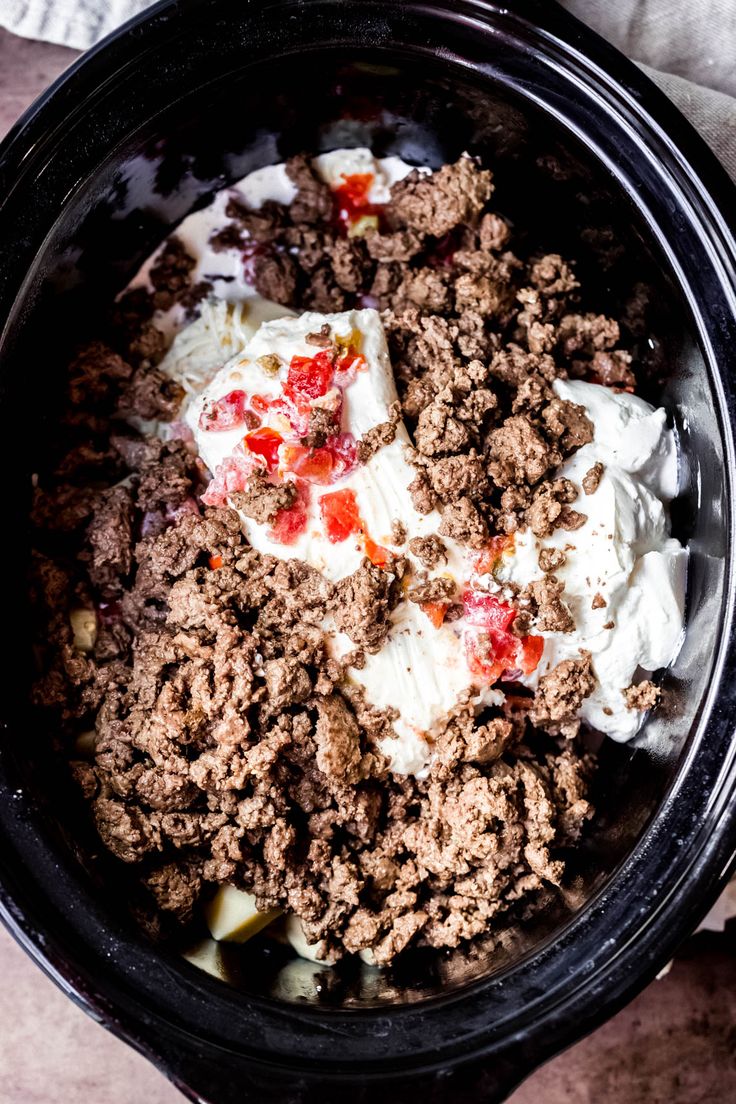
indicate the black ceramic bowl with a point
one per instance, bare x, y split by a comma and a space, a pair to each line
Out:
133, 137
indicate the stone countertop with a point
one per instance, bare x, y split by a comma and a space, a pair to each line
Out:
676, 1042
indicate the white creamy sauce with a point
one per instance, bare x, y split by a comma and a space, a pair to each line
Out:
623, 551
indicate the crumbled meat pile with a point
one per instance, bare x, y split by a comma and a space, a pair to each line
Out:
227, 748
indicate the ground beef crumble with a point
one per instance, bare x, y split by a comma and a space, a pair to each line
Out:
227, 745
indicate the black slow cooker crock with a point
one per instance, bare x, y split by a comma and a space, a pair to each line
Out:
591, 160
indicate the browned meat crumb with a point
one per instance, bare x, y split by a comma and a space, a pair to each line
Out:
612, 369
322, 425
262, 500
548, 506
519, 453
432, 590
176, 887
599, 602
642, 695
275, 277
592, 478
550, 559
322, 339
436, 204
587, 333
110, 541
379, 435
362, 604
462, 521
398, 532
170, 276
571, 519
561, 693
543, 598
313, 202
568, 424
454, 477
438, 430
430, 551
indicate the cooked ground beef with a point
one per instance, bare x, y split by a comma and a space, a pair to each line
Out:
227, 745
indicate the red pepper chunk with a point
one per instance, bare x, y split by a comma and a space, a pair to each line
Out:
265, 443
340, 516
226, 413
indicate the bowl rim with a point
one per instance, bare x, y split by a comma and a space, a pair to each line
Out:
157, 1027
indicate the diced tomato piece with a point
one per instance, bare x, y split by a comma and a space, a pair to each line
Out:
354, 190
351, 199
315, 465
260, 403
340, 516
488, 560
309, 377
344, 451
231, 475
215, 562
531, 653
351, 361
436, 611
481, 659
290, 524
265, 443
487, 611
490, 653
297, 414
226, 413
376, 553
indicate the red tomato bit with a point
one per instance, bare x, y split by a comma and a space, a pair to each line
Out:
312, 464
290, 524
226, 413
309, 377
265, 443
215, 562
231, 475
531, 653
351, 361
488, 560
351, 199
376, 553
487, 611
436, 611
340, 516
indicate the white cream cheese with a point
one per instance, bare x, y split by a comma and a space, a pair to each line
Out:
623, 553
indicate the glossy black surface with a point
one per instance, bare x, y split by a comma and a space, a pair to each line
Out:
137, 134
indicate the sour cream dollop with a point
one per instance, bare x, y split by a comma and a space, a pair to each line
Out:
624, 575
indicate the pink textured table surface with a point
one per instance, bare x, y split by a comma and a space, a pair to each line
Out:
674, 1043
